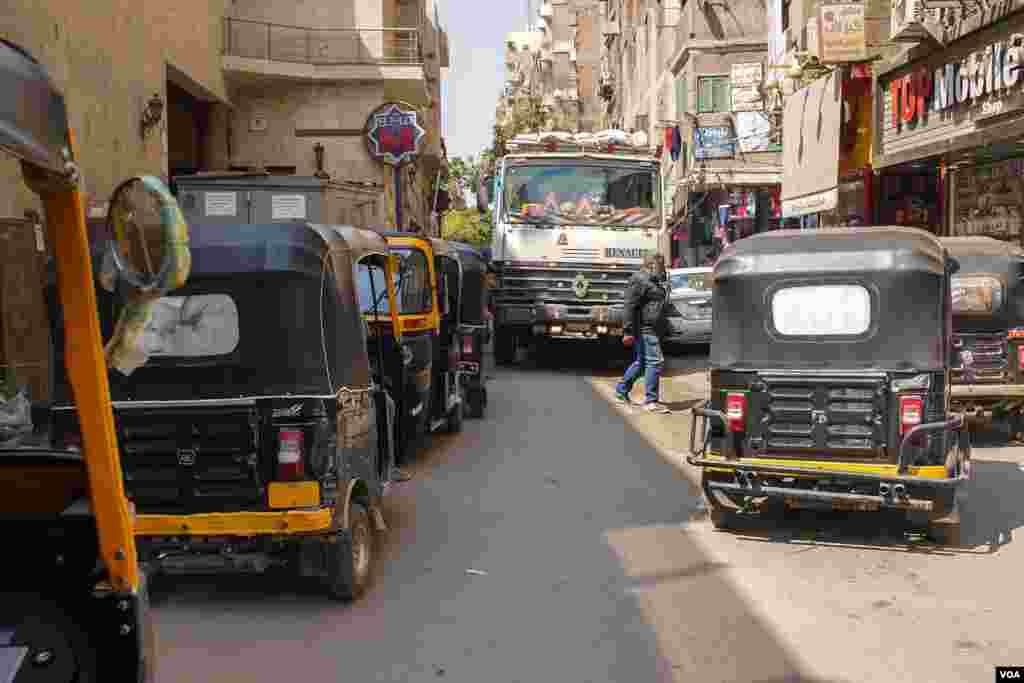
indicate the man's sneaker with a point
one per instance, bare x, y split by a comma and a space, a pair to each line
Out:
622, 398
655, 407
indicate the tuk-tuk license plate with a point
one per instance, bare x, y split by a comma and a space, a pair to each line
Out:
293, 494
838, 505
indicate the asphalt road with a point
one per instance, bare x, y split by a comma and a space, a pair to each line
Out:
560, 540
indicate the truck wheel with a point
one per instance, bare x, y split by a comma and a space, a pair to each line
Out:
504, 347
350, 556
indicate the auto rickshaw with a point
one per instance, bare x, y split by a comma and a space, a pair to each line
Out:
256, 436
74, 604
432, 401
829, 376
988, 330
473, 330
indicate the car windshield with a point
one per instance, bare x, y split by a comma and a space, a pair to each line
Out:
581, 194
688, 281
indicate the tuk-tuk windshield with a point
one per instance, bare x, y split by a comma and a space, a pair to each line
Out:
371, 284
412, 282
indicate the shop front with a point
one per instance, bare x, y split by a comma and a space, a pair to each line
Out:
716, 217
951, 142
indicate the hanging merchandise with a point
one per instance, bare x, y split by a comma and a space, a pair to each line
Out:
677, 143
668, 140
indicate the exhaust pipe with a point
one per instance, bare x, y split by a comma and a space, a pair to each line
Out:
883, 490
899, 491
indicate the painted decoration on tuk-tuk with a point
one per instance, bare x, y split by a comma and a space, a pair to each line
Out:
393, 134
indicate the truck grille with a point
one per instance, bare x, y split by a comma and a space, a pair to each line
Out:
988, 354
554, 285
842, 416
181, 462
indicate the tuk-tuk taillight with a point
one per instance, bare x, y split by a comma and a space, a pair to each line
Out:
911, 412
467, 345
736, 412
1020, 357
289, 455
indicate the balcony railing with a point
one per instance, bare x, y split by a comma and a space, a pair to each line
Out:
321, 46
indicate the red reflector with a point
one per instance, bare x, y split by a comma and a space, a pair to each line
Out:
611, 149
289, 455
911, 412
1017, 333
1020, 357
467, 345
736, 412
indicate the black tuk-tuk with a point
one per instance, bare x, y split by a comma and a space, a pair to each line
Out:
988, 328
428, 274
473, 331
829, 377
255, 436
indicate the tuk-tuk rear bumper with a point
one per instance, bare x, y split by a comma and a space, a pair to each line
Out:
246, 524
899, 486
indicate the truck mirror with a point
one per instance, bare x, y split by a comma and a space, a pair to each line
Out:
149, 249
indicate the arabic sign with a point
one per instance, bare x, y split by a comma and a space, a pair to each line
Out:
841, 36
746, 86
713, 143
393, 135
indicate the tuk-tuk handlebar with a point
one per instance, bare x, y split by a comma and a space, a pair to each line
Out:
951, 424
705, 413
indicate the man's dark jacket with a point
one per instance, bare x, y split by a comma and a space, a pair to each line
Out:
644, 309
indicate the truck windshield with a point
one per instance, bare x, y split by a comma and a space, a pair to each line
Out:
581, 194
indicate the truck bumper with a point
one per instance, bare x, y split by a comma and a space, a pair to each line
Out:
565, 321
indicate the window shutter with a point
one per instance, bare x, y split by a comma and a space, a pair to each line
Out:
722, 94
705, 91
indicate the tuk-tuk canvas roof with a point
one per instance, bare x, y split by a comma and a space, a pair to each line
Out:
832, 251
900, 274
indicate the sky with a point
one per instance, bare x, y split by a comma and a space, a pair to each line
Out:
476, 36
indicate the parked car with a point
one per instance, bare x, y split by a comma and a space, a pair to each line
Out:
689, 310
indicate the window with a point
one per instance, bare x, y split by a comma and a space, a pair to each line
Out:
713, 94
412, 283
977, 294
371, 283
201, 326
822, 311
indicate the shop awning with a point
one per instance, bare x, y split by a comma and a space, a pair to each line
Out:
811, 125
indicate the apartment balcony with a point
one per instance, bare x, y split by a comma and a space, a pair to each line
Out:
261, 51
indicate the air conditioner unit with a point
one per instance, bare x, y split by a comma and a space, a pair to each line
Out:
907, 21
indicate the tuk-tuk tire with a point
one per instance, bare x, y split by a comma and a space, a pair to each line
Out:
945, 534
721, 518
344, 582
457, 415
76, 637
504, 347
476, 399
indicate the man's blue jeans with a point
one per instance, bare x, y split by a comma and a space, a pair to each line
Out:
647, 361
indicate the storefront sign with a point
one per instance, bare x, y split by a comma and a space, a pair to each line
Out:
988, 79
754, 131
841, 36
815, 203
746, 87
393, 135
713, 143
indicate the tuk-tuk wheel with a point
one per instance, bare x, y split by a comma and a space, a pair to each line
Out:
350, 556
60, 649
476, 399
945, 534
455, 417
721, 518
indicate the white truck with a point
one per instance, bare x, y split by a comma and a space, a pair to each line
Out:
574, 216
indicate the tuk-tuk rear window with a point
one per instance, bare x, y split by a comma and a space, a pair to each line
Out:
976, 294
412, 283
200, 326
822, 310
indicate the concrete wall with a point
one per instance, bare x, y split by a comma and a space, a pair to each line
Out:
110, 57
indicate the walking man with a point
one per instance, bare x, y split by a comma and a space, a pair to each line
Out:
643, 325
